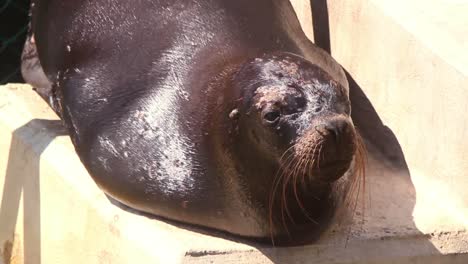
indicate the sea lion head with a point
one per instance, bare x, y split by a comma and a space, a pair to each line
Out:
295, 139
298, 116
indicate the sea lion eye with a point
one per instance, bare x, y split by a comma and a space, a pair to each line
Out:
272, 116
301, 102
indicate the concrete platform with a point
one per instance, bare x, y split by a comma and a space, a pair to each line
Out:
409, 86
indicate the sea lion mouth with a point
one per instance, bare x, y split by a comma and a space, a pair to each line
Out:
317, 158
329, 172
304, 171
326, 151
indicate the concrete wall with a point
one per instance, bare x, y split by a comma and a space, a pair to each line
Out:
408, 67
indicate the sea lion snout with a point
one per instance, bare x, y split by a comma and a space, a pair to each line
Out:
335, 128
337, 148
329, 145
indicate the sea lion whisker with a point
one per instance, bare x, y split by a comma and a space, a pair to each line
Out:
301, 205
361, 153
294, 180
304, 168
288, 173
358, 179
305, 159
311, 154
288, 181
319, 156
278, 178
359, 176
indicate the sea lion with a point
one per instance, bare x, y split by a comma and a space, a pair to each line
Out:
216, 113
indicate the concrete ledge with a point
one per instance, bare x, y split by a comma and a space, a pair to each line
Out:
52, 212
409, 99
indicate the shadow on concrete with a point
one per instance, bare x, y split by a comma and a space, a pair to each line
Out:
22, 180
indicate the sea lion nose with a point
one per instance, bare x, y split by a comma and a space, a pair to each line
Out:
335, 128
337, 133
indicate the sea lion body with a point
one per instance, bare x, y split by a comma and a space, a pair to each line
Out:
154, 96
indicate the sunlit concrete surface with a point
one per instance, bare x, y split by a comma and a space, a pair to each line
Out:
407, 68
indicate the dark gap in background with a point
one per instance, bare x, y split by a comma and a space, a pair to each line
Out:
13, 28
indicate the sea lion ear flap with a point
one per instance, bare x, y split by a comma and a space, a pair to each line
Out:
234, 114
